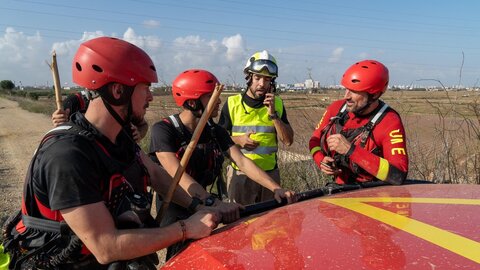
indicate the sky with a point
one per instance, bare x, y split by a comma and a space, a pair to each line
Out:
422, 42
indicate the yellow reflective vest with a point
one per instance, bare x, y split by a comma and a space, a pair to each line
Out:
244, 119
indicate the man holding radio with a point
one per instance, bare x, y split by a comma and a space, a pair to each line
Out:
255, 119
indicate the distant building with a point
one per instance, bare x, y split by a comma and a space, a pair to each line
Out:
309, 84
299, 85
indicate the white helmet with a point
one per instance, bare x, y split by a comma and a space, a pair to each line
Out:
261, 63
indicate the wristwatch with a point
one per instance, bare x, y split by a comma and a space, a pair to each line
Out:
193, 205
210, 200
273, 116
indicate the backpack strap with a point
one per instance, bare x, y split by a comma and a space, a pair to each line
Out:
174, 119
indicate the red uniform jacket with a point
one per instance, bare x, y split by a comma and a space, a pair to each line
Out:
384, 156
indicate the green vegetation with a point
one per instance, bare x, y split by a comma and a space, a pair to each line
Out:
7, 85
443, 131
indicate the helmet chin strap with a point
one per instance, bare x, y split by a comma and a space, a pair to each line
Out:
126, 99
118, 118
195, 109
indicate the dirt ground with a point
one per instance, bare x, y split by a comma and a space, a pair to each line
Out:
20, 133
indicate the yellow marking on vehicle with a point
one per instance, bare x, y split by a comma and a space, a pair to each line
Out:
410, 200
460, 245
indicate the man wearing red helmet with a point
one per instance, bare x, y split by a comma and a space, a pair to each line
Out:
360, 138
192, 90
86, 202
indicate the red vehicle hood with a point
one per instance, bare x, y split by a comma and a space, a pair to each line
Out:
389, 227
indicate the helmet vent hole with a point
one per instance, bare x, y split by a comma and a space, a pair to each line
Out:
97, 68
196, 71
178, 94
153, 68
364, 66
355, 81
209, 81
78, 66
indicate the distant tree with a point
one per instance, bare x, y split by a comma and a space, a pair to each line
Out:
7, 85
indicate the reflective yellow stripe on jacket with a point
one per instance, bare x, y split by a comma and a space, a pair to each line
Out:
246, 119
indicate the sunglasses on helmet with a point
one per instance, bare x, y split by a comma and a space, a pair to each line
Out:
266, 67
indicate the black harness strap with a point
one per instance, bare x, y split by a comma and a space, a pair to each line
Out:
341, 118
332, 121
45, 224
175, 120
362, 133
367, 129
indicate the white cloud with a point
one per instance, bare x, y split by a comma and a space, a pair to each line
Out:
235, 47
195, 52
363, 55
336, 55
151, 23
24, 56
148, 43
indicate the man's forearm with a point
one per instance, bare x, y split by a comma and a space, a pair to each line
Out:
95, 226
284, 131
378, 167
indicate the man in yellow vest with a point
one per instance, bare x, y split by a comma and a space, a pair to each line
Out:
255, 119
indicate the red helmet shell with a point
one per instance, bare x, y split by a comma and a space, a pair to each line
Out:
105, 59
366, 76
192, 84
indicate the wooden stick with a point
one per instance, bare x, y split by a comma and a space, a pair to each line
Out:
188, 152
56, 81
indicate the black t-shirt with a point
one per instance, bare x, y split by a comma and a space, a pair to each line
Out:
213, 141
226, 122
69, 172
76, 102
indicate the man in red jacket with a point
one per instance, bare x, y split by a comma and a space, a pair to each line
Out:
360, 138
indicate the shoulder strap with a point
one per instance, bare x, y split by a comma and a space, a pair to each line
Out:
373, 121
379, 115
174, 119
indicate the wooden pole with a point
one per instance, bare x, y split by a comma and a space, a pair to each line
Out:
188, 152
56, 81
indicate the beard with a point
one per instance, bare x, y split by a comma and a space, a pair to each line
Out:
136, 120
257, 96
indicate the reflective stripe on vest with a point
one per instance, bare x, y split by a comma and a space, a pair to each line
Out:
245, 119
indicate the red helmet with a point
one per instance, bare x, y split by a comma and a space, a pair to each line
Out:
366, 76
105, 59
192, 84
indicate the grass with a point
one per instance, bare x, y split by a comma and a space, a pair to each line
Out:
443, 132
